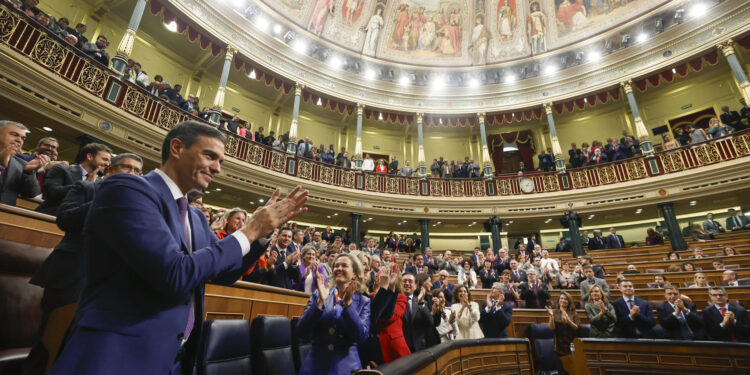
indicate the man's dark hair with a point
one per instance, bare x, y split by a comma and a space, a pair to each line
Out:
177, 87
718, 259
285, 229
92, 149
139, 64
158, 78
46, 139
194, 195
119, 158
80, 25
624, 281
103, 37
63, 19
188, 132
663, 277
587, 267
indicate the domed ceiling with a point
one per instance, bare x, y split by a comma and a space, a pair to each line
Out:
454, 32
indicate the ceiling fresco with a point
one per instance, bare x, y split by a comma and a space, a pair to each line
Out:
456, 32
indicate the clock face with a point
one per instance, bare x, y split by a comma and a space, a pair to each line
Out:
527, 185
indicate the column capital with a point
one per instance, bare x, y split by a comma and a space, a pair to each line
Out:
298, 87
726, 47
420, 116
231, 50
481, 116
360, 108
627, 86
547, 107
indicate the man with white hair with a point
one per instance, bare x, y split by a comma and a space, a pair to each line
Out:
14, 180
495, 315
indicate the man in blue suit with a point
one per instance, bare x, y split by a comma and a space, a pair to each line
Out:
597, 242
62, 273
148, 257
635, 319
614, 240
679, 318
495, 315
285, 270
443, 284
725, 321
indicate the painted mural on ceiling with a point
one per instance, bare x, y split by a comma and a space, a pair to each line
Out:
457, 32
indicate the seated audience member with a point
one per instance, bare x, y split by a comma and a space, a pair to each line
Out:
417, 320
711, 225
700, 281
449, 264
18, 177
614, 240
495, 315
737, 222
337, 317
565, 324
550, 264
566, 279
730, 279
445, 286
62, 273
635, 319
466, 275
533, 291
465, 315
632, 269
501, 261
730, 251
236, 218
687, 267
591, 280
418, 265
678, 317
653, 238
94, 160
698, 253
309, 269
725, 321
601, 313
698, 234
673, 255
441, 315
285, 270
487, 275
597, 242
718, 264
207, 213
587, 260
97, 50
195, 198
510, 289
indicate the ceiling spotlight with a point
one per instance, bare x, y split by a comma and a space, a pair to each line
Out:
337, 214
595, 56
261, 23
46, 128
510, 78
277, 29
218, 189
300, 47
404, 80
260, 200
438, 82
252, 74
320, 102
698, 9
335, 62
369, 218
510, 222
172, 26
638, 210
642, 37
625, 41
547, 221
693, 203
674, 71
550, 69
591, 216
473, 82
328, 217
439, 222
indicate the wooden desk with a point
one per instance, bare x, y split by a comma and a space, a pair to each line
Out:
28, 227
245, 300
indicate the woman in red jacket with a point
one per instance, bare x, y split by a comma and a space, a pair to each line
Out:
392, 341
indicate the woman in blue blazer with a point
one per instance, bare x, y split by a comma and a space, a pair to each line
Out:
336, 319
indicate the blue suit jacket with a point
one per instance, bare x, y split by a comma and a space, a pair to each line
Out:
612, 244
140, 279
495, 323
447, 292
740, 329
335, 332
625, 326
596, 243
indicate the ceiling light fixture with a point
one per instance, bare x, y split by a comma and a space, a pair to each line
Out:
370, 74
320, 102
218, 189
261, 23
595, 56
300, 47
380, 116
260, 200
510, 78
642, 37
473, 82
404, 80
172, 26
698, 9
46, 128
252, 74
277, 29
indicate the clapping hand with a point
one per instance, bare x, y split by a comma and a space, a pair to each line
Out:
453, 317
420, 298
395, 272
272, 260
351, 288
323, 290
550, 311
275, 213
384, 277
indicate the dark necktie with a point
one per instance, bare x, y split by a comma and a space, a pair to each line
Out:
630, 304
536, 297
408, 307
182, 204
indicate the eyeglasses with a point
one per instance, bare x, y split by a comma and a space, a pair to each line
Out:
129, 168
717, 295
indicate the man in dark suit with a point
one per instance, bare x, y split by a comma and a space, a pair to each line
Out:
502, 261
522, 251
730, 279
417, 320
516, 275
443, 284
393, 165
635, 319
148, 256
494, 314
15, 180
597, 242
614, 240
598, 158
575, 156
532, 242
534, 292
678, 317
725, 321
61, 275
475, 257
418, 265
284, 271
93, 159
173, 93
737, 222
731, 118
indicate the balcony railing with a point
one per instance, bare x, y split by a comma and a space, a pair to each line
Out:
27, 37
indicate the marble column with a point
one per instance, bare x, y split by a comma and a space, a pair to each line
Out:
486, 161
424, 226
556, 150
220, 92
640, 128
358, 144
291, 146
495, 226
422, 169
354, 230
727, 47
125, 48
672, 226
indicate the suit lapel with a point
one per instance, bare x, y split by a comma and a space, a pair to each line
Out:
75, 173
172, 216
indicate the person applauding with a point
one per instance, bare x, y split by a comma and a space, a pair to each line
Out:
466, 318
601, 313
564, 322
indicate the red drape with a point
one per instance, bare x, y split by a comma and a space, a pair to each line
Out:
524, 141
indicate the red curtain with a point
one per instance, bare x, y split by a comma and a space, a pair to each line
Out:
524, 141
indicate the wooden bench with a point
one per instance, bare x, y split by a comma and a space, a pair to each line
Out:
621, 356
245, 300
